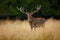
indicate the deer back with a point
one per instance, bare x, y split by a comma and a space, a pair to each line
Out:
40, 20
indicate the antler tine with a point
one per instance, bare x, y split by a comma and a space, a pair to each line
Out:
21, 9
17, 8
38, 8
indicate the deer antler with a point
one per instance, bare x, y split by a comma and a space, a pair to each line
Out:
21, 9
38, 8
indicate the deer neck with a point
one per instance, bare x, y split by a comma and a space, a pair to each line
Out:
30, 17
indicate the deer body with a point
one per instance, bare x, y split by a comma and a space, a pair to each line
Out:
34, 22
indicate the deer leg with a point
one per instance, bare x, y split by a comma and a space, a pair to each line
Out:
35, 26
42, 25
31, 25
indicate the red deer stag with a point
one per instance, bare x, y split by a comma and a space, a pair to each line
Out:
34, 22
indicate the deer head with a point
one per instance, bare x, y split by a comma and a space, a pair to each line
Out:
21, 9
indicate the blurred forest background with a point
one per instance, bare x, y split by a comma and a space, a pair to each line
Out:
49, 8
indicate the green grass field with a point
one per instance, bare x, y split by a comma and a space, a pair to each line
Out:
20, 30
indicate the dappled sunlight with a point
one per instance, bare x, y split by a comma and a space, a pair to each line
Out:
20, 30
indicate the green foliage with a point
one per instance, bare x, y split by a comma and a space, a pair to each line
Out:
49, 7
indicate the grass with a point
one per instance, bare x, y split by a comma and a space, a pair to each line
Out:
20, 30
